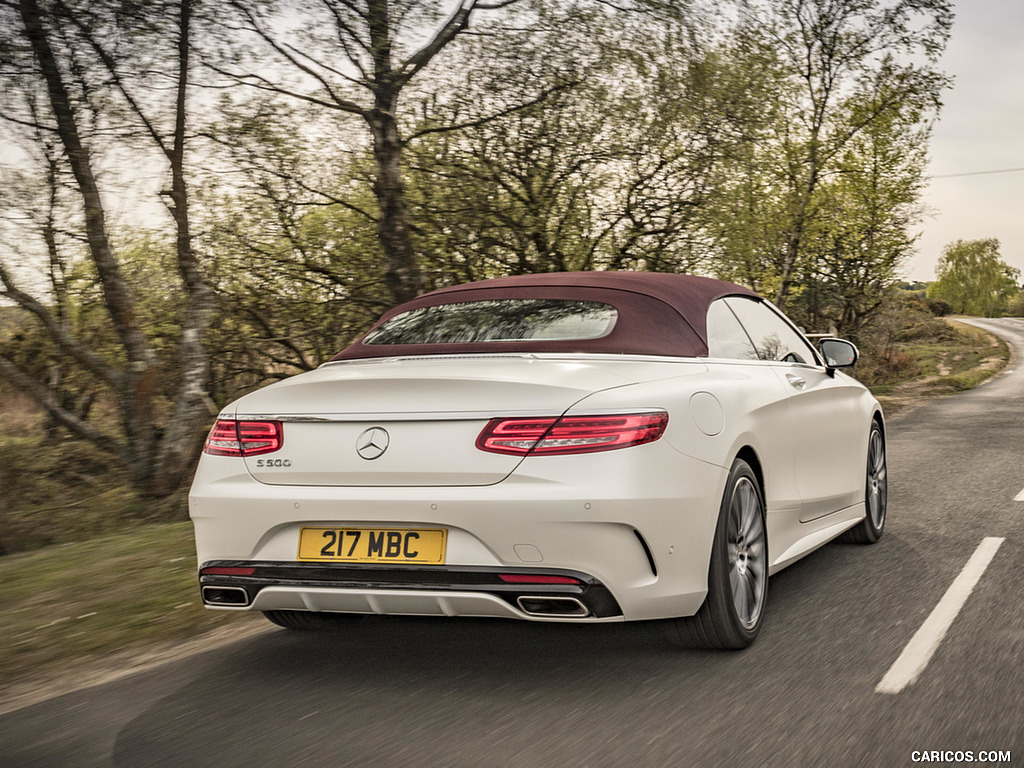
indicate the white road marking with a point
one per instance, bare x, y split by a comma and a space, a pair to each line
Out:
1019, 496
923, 644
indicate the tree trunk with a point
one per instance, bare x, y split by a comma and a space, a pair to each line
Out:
798, 223
181, 438
136, 396
402, 274
401, 268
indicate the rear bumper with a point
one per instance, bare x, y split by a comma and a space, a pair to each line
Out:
639, 522
396, 590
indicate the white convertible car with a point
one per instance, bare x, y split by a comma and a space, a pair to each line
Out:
574, 447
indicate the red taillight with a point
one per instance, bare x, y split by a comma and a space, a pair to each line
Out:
536, 578
571, 434
514, 436
244, 438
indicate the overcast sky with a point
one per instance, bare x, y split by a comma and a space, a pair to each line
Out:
981, 129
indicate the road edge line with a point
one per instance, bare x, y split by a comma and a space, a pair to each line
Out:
922, 646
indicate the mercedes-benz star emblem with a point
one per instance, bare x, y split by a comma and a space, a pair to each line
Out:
372, 443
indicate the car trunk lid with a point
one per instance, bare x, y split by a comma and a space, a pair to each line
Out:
410, 422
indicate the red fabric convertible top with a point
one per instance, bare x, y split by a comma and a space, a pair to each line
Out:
658, 313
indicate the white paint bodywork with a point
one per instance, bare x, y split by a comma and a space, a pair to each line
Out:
575, 512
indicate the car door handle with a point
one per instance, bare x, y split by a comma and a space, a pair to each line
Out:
795, 381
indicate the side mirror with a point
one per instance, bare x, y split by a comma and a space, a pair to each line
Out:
838, 353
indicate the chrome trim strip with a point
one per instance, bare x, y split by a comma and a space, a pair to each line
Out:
333, 418
570, 356
390, 417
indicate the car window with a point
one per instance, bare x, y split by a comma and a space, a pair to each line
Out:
773, 337
497, 320
726, 337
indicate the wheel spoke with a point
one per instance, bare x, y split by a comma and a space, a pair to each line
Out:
755, 554
735, 523
751, 515
742, 597
735, 583
755, 531
756, 567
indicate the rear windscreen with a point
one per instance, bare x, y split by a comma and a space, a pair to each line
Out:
496, 321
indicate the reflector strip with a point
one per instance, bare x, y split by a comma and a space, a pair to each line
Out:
219, 571
536, 578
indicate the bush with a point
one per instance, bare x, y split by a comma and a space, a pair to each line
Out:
939, 307
1015, 307
58, 491
904, 317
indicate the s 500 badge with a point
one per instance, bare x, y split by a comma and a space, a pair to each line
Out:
263, 463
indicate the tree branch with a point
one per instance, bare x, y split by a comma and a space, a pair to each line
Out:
28, 123
117, 297
58, 333
262, 84
346, 29
495, 5
115, 76
44, 398
354, 80
540, 99
342, 103
455, 24
329, 198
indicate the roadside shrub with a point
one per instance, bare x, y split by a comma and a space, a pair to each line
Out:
939, 307
61, 491
1015, 307
881, 367
903, 317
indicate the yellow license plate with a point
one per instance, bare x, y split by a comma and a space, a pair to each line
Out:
373, 545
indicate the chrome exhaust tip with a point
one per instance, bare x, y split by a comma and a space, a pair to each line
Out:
233, 597
547, 605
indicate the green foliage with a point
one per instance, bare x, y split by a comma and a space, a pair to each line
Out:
883, 340
293, 253
296, 286
569, 136
940, 308
973, 278
859, 236
1015, 306
818, 206
148, 268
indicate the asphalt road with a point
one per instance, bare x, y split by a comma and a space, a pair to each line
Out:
474, 694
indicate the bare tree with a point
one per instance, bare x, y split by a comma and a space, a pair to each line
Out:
70, 76
359, 58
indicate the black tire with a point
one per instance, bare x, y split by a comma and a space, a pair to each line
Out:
731, 615
876, 492
310, 621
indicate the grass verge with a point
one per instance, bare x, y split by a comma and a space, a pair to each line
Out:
958, 358
76, 604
